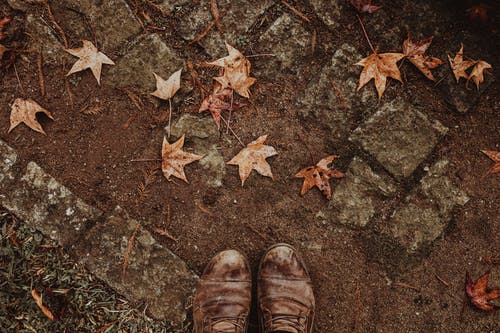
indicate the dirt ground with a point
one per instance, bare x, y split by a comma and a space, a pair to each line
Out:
356, 290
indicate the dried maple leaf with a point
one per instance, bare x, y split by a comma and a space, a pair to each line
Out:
379, 67
478, 292
166, 89
91, 58
174, 159
319, 175
236, 72
495, 157
253, 157
364, 6
477, 73
220, 99
415, 52
459, 65
24, 111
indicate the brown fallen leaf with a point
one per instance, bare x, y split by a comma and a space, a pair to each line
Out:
364, 6
477, 73
236, 72
174, 159
478, 292
253, 157
166, 89
415, 52
91, 58
379, 67
495, 157
24, 111
39, 301
218, 100
459, 65
319, 175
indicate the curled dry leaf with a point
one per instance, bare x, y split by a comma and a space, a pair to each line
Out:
91, 58
236, 72
415, 52
319, 175
220, 99
459, 65
166, 89
364, 6
477, 73
478, 292
24, 111
379, 67
495, 157
174, 159
253, 157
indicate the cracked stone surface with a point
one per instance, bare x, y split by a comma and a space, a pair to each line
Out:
426, 212
329, 11
112, 20
321, 101
356, 198
136, 67
203, 134
8, 160
239, 16
48, 206
154, 275
289, 41
399, 136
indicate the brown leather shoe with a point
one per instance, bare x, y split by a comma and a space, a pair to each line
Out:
222, 299
286, 300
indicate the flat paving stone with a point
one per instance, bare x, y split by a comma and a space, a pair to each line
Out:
238, 17
8, 170
337, 111
399, 136
356, 198
112, 21
155, 275
136, 67
289, 42
45, 204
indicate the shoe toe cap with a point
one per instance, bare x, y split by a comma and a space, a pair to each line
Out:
283, 261
228, 265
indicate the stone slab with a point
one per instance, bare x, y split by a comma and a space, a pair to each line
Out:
320, 100
399, 136
203, 134
45, 204
237, 19
356, 198
154, 275
112, 21
8, 170
150, 54
289, 42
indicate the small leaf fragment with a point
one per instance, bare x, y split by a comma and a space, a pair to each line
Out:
319, 175
478, 292
415, 52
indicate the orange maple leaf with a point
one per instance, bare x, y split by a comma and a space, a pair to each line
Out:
477, 73
459, 65
174, 159
253, 157
415, 52
236, 72
220, 99
319, 175
24, 111
495, 157
379, 67
91, 58
478, 292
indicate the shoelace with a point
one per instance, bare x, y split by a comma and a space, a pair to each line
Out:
295, 321
237, 322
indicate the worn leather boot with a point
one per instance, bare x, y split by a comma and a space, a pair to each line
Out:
286, 300
222, 299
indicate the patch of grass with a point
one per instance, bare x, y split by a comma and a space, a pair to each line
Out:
28, 260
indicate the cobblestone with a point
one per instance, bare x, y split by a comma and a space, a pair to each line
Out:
154, 275
399, 136
8, 161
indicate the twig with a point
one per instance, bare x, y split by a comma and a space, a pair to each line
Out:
202, 34
296, 11
39, 63
230, 111
204, 209
441, 280
237, 137
215, 13
18, 80
58, 27
130, 246
155, 7
405, 285
357, 305
366, 35
169, 117
136, 14
261, 55
339, 94
147, 160
313, 42
165, 233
